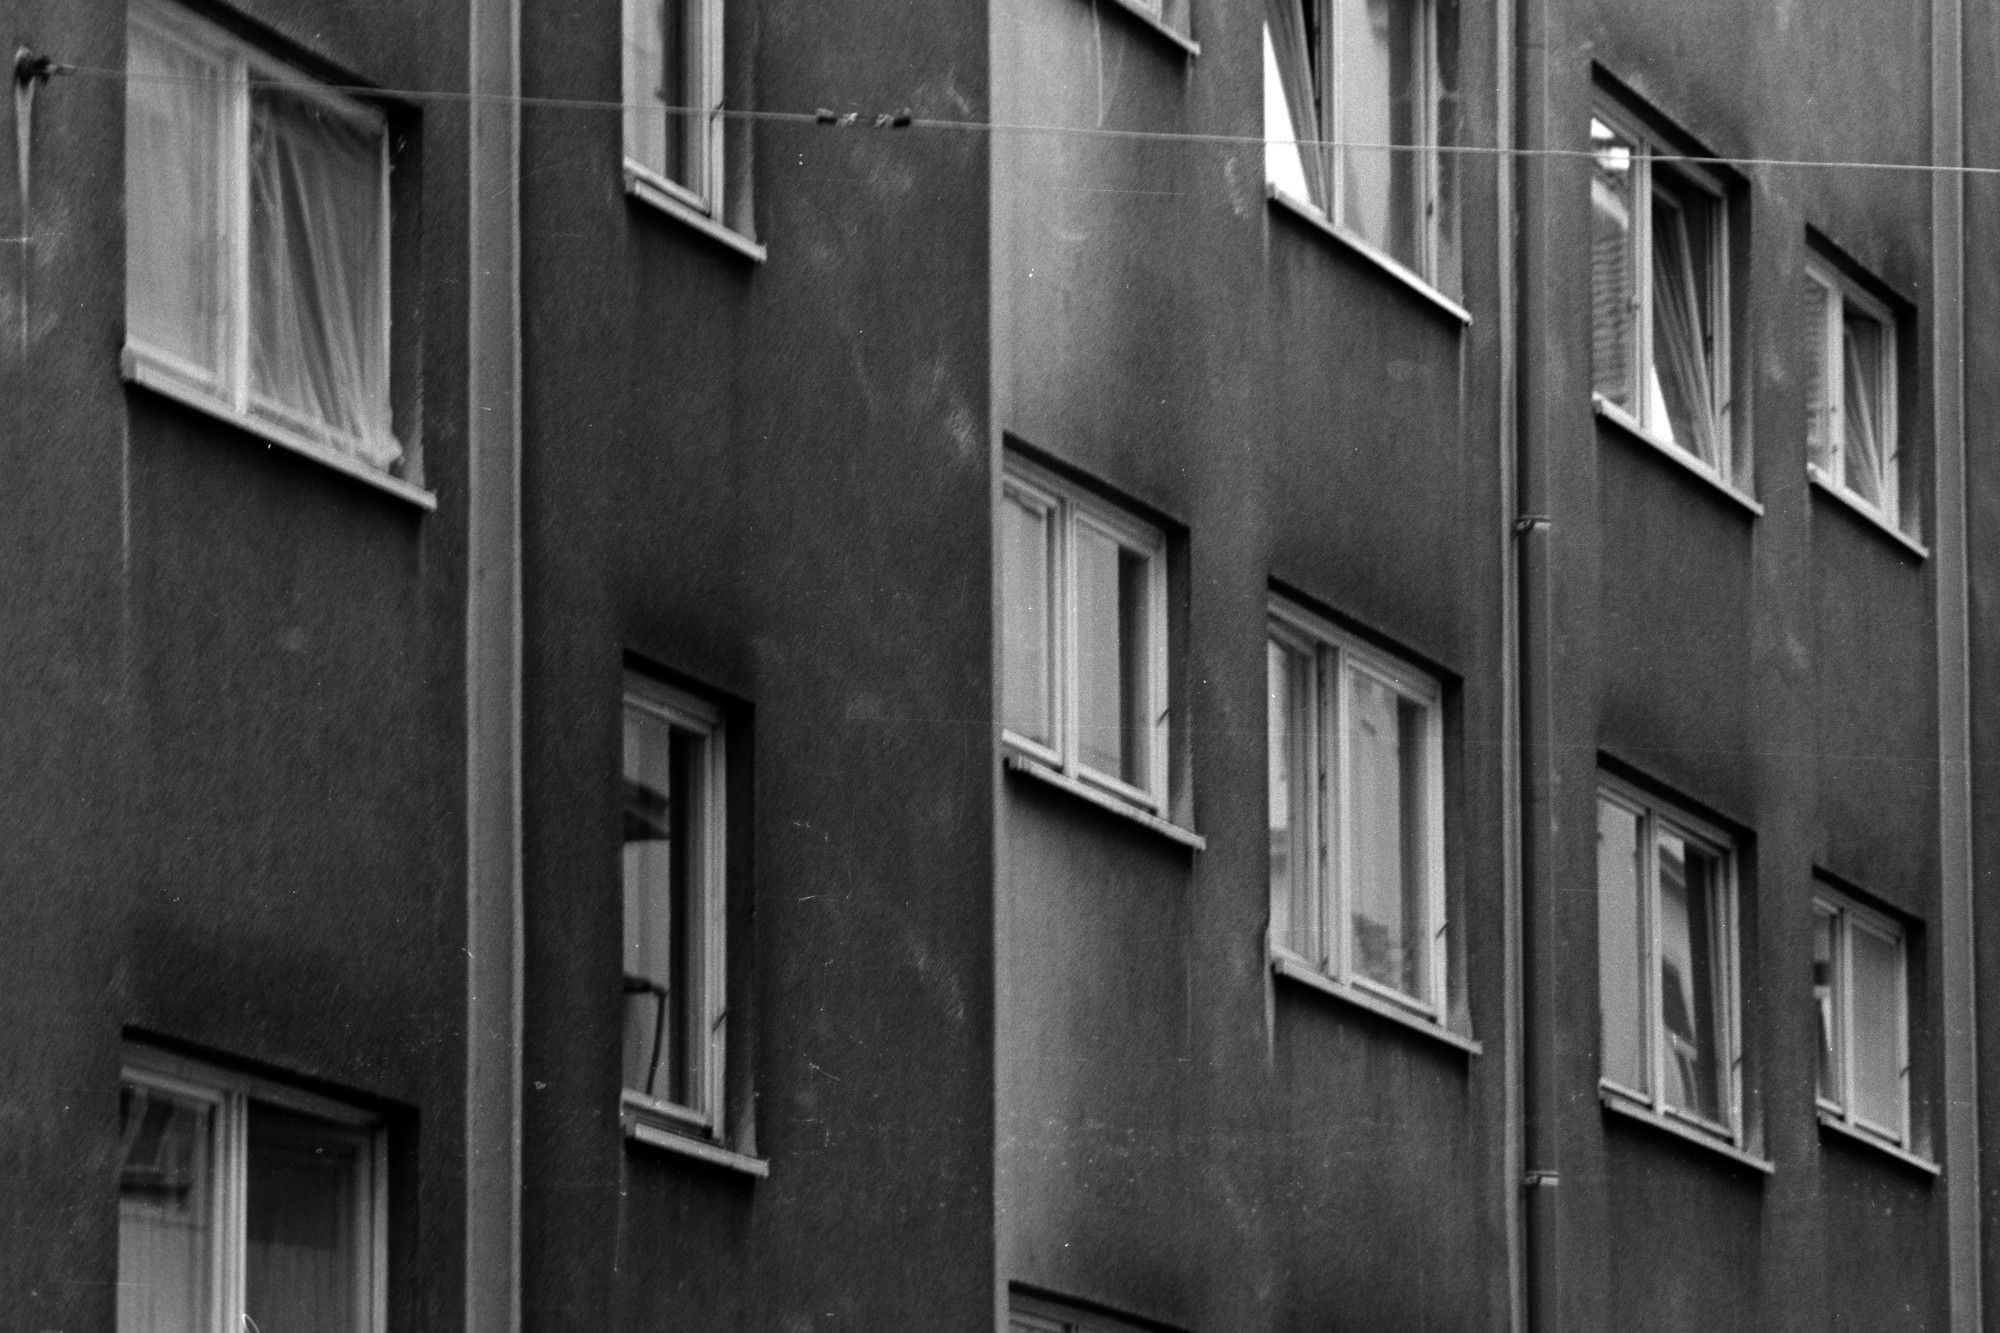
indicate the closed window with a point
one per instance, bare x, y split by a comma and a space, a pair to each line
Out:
257, 241
1659, 295
1083, 636
1356, 813
243, 1205
675, 909
1851, 439
1666, 958
682, 154
1861, 988
1358, 97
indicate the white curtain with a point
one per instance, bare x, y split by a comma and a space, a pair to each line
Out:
319, 356
1683, 385
1867, 468
173, 199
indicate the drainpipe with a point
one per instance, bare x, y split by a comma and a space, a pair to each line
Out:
493, 674
1956, 924
1541, 1206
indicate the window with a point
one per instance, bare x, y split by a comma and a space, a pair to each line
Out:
1356, 813
257, 241
681, 154
1084, 637
1659, 295
1861, 987
1666, 958
1358, 96
1851, 394
675, 969
244, 1205
1028, 1314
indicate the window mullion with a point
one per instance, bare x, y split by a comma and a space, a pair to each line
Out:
1650, 969
1072, 665
1642, 275
1332, 121
236, 168
233, 1182
1339, 915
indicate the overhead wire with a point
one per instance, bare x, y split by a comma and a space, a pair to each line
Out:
904, 119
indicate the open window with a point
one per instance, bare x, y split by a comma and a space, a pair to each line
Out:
1861, 989
1852, 441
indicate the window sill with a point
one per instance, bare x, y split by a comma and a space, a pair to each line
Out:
1041, 772
1617, 416
641, 1129
643, 185
1825, 486
1374, 254
1158, 25
1297, 969
1834, 1124
140, 369
1620, 1104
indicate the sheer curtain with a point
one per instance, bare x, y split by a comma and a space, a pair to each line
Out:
319, 357
1291, 143
1867, 468
1683, 388
173, 202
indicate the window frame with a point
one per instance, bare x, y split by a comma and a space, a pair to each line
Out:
1655, 815
1327, 138
1071, 508
1336, 655
227, 391
706, 207
1648, 148
1841, 291
706, 1122
228, 1094
1847, 914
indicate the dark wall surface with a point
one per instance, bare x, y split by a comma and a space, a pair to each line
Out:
767, 483
231, 692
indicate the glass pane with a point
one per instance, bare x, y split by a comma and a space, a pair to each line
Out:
1614, 296
1380, 82
666, 117
1390, 910
1284, 166
1294, 907
1825, 990
1680, 387
1878, 1028
1870, 470
1026, 628
1621, 966
1447, 131
1821, 427
1111, 614
665, 1041
1692, 972
166, 1213
305, 1226
319, 356
173, 192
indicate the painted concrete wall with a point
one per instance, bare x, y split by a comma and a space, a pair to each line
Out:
769, 484
1181, 1137
230, 697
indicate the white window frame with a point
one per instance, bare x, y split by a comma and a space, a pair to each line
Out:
706, 1120
1656, 815
1322, 799
1072, 508
227, 393
1848, 916
1331, 130
228, 1095
1648, 146
1841, 292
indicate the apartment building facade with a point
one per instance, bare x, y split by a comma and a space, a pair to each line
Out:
1065, 665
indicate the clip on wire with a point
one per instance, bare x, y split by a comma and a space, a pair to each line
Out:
887, 120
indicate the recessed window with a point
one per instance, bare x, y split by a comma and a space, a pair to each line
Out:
1666, 958
675, 909
1356, 812
257, 240
1358, 97
1083, 636
673, 96
1659, 294
1028, 1314
242, 1205
1851, 439
1861, 987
